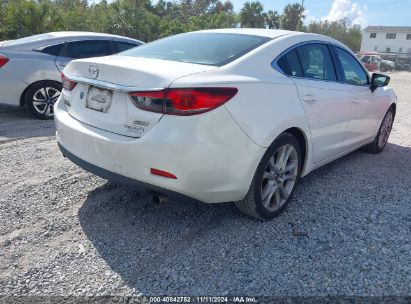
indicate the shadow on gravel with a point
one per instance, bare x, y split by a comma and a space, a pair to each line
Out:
326, 237
16, 122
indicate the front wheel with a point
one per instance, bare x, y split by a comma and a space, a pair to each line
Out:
275, 179
40, 98
383, 134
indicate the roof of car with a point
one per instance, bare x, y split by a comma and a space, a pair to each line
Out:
269, 33
45, 38
79, 33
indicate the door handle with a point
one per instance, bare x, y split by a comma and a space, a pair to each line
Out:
309, 98
355, 100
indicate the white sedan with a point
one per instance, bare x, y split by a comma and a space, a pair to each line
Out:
231, 115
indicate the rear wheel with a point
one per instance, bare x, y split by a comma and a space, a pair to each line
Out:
383, 134
275, 180
40, 98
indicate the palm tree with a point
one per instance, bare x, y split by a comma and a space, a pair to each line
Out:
251, 15
293, 17
272, 19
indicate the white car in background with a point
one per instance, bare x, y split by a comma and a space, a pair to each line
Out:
222, 115
30, 67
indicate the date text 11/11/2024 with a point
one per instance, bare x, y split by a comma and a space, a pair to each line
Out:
202, 299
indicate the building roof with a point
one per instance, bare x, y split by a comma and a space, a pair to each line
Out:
373, 28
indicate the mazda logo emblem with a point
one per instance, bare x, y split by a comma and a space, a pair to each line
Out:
93, 71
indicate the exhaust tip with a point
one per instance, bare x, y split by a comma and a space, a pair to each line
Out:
158, 199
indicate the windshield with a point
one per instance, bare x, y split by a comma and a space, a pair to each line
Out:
215, 49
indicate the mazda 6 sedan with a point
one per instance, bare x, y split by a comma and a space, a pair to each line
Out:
30, 67
230, 115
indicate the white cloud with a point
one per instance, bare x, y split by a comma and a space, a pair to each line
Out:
349, 10
309, 18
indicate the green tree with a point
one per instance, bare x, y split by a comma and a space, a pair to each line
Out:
23, 18
219, 7
134, 18
349, 35
293, 16
252, 15
146, 21
3, 25
272, 19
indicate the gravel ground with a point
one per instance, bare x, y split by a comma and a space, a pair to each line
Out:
65, 232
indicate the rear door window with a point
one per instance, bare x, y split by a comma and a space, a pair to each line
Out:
290, 64
87, 48
316, 61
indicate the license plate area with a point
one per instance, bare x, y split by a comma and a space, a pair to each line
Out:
99, 99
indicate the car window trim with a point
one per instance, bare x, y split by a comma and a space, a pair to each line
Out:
337, 67
275, 66
63, 50
342, 70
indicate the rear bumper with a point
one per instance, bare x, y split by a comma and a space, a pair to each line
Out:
135, 184
213, 159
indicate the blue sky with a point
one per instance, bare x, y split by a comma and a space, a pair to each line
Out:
366, 12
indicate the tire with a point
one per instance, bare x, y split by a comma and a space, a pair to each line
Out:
269, 178
381, 138
40, 98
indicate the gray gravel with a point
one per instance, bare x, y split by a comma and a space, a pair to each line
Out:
64, 231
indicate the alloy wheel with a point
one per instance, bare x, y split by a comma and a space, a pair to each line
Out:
44, 100
385, 131
279, 177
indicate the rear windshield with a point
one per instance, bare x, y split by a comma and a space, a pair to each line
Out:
215, 49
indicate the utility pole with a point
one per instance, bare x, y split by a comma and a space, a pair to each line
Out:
301, 15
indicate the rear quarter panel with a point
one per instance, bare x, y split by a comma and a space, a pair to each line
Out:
10, 88
32, 66
265, 110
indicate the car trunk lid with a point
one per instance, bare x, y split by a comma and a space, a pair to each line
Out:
101, 97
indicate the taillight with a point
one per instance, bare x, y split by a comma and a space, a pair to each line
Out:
149, 101
67, 83
3, 60
183, 101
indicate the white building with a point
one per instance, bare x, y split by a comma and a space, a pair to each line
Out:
387, 39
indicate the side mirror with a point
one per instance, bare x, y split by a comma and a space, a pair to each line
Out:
379, 80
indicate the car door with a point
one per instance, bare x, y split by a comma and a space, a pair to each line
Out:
324, 98
364, 113
83, 49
